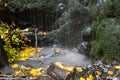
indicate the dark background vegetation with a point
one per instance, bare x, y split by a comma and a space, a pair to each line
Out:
68, 26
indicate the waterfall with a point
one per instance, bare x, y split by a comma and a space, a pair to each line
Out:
36, 40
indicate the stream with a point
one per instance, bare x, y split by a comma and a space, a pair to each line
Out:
48, 56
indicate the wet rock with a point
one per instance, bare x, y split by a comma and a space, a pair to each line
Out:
58, 51
86, 33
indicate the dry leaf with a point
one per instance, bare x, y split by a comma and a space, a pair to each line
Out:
18, 72
90, 77
81, 78
110, 72
68, 68
98, 73
5, 4
15, 65
35, 72
117, 67
44, 33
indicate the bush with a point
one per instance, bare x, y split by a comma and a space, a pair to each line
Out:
12, 41
105, 43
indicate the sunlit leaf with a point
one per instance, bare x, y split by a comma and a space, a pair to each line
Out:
68, 68
44, 33
117, 67
15, 65
110, 72
90, 77
35, 72
81, 78
59, 65
98, 73
26, 29
79, 69
27, 52
18, 72
5, 4
6, 31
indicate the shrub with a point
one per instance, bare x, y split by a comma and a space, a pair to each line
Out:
105, 43
13, 41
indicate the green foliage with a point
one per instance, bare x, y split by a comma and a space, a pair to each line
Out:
13, 41
28, 4
108, 9
106, 39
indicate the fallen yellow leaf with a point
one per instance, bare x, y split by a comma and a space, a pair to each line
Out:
27, 52
5, 4
117, 67
81, 78
90, 77
6, 31
18, 72
110, 72
15, 65
79, 69
26, 29
98, 73
68, 68
44, 33
35, 72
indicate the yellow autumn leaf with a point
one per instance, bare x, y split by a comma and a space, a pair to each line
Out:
44, 33
98, 73
68, 68
5, 4
90, 77
15, 65
110, 72
35, 72
27, 52
79, 69
18, 72
117, 67
26, 29
81, 78
6, 31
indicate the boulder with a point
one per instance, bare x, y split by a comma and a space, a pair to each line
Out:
58, 51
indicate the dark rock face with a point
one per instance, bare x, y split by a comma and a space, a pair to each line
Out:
3, 56
3, 59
